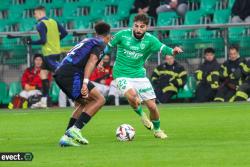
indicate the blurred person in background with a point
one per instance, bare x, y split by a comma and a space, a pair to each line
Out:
241, 11
31, 81
207, 76
103, 80
179, 6
50, 32
167, 78
231, 76
145, 7
243, 92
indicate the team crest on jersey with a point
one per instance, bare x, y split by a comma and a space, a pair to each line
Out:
142, 45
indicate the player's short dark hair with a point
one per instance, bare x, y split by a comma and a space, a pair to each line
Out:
209, 50
236, 47
102, 28
40, 8
142, 17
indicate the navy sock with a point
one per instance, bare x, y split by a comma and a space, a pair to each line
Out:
82, 120
45, 87
71, 122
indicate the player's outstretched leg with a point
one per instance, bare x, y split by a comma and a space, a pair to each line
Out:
155, 118
135, 103
65, 140
94, 102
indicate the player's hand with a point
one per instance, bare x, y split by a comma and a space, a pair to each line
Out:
84, 90
177, 50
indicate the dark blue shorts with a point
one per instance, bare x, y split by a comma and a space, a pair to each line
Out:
51, 62
70, 79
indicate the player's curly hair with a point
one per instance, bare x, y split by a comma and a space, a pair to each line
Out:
102, 28
142, 17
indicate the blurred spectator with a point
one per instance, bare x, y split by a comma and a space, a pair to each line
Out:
167, 78
31, 81
207, 76
179, 6
145, 7
243, 92
231, 75
103, 80
241, 11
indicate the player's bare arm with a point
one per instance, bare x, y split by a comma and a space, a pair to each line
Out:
90, 66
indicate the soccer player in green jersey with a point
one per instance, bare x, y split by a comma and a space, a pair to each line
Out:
134, 46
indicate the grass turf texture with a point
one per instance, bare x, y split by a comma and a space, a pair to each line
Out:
199, 135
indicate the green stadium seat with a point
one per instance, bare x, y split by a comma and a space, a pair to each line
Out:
235, 34
97, 10
177, 36
54, 92
67, 41
230, 3
206, 36
9, 44
27, 24
4, 93
112, 20
17, 57
208, 6
5, 4
82, 22
69, 11
85, 1
113, 2
3, 25
58, 4
221, 16
166, 18
193, 17
14, 89
124, 8
15, 13
31, 4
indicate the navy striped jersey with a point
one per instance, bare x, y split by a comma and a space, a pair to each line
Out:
78, 56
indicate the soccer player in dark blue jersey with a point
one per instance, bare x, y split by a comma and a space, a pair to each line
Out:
72, 76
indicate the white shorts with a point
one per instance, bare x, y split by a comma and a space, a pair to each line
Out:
142, 86
26, 94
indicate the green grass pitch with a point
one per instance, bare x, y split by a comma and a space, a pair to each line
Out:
200, 135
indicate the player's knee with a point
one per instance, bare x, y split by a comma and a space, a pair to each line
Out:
134, 101
152, 106
101, 100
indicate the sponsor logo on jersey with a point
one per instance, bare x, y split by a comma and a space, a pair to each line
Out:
132, 54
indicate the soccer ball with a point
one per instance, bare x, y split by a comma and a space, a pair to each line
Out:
125, 132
